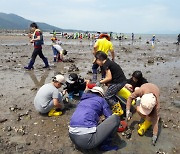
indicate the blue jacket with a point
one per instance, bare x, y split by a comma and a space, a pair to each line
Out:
88, 111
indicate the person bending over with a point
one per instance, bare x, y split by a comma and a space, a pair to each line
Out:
148, 109
85, 130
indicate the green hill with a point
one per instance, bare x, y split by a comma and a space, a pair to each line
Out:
15, 22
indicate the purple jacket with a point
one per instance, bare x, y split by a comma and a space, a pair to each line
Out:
88, 111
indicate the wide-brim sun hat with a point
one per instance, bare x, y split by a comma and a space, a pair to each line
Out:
105, 35
147, 103
97, 90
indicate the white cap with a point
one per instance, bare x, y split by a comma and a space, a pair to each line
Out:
59, 78
148, 101
98, 90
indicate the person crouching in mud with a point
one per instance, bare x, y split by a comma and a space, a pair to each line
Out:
37, 39
48, 98
137, 80
114, 79
148, 108
84, 130
74, 85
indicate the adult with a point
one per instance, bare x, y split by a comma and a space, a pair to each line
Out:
105, 45
85, 130
37, 39
148, 109
114, 79
48, 97
132, 36
58, 51
153, 41
178, 39
137, 80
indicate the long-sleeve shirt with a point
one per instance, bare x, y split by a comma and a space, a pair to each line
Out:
154, 115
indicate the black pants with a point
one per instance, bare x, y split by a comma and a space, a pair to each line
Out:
89, 141
37, 51
112, 91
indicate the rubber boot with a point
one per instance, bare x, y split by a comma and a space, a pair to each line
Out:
94, 79
45, 62
143, 127
53, 112
117, 109
54, 59
30, 65
125, 93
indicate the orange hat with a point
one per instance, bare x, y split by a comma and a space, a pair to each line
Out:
53, 38
105, 35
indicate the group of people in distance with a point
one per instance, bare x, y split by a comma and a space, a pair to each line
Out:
87, 130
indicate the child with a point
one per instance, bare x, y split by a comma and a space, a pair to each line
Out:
75, 85
137, 80
58, 51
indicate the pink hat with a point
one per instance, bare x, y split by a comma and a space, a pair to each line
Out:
148, 101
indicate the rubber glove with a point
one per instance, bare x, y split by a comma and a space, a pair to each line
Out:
154, 139
128, 115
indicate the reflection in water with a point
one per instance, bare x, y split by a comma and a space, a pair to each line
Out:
35, 80
177, 47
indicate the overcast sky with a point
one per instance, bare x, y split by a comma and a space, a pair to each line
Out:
138, 16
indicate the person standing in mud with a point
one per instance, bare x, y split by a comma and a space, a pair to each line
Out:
105, 45
132, 36
153, 41
37, 39
178, 39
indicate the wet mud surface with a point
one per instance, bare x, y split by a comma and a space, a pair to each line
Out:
23, 130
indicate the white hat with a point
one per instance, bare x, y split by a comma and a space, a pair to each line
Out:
59, 78
98, 90
148, 101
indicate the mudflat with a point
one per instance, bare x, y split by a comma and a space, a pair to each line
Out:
23, 130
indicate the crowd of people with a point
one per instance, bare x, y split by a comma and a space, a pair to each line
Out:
87, 130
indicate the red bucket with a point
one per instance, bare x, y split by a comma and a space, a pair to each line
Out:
123, 126
91, 85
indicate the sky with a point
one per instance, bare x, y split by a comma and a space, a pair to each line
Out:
126, 16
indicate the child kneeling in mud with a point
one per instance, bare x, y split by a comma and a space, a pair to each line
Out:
74, 85
58, 51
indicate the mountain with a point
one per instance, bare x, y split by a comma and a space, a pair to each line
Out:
15, 22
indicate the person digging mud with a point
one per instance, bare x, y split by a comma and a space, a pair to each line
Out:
48, 97
58, 51
74, 85
114, 79
84, 130
105, 45
148, 109
37, 39
137, 80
